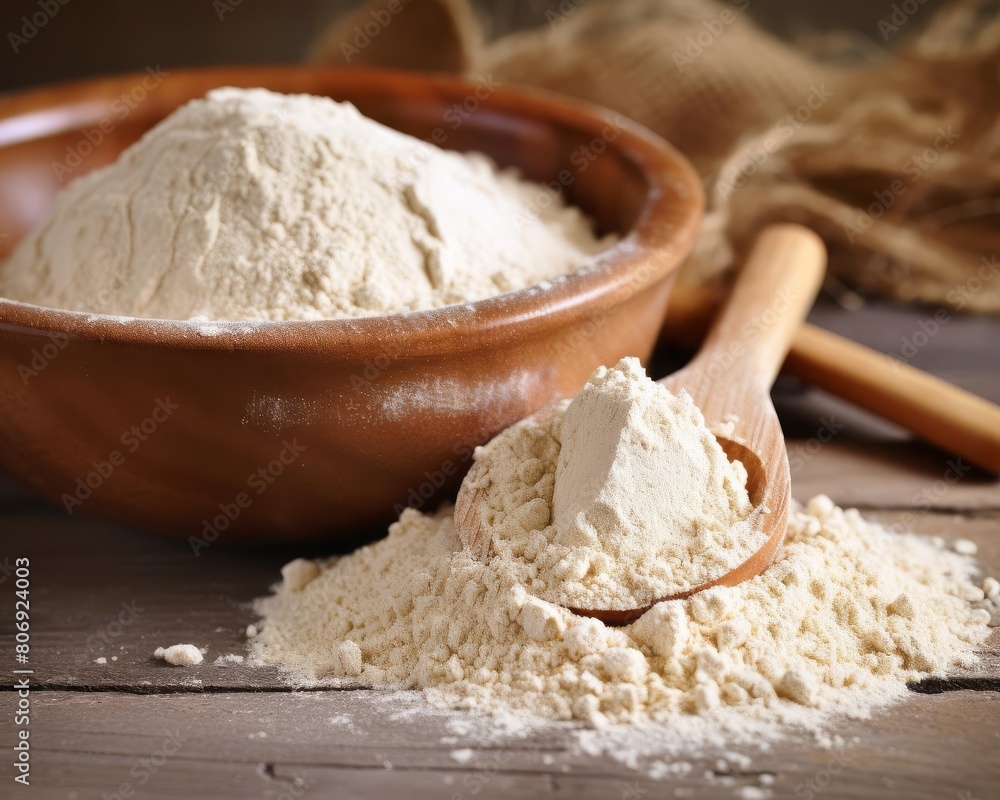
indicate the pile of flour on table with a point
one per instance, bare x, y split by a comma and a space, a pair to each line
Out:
248, 204
845, 616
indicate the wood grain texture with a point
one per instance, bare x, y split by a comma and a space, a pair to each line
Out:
898, 475
356, 744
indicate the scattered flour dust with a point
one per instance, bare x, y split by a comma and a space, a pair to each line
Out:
616, 499
845, 616
248, 204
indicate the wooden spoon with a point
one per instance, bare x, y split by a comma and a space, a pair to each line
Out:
730, 381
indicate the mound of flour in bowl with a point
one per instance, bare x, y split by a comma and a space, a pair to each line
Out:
616, 499
248, 204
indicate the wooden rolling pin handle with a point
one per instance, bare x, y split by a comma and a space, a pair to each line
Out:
952, 418
956, 420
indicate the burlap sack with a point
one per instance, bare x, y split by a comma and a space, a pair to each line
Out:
893, 159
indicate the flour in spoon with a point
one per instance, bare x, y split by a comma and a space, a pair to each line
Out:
618, 498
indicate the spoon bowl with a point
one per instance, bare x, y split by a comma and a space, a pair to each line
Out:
729, 380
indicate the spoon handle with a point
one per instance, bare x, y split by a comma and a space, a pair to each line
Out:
773, 293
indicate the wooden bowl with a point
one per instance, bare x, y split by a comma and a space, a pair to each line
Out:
305, 430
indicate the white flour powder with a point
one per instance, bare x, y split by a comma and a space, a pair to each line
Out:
617, 499
180, 655
843, 618
846, 614
253, 205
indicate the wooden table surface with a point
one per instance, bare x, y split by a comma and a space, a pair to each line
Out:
135, 727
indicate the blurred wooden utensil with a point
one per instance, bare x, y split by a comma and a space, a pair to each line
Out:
955, 420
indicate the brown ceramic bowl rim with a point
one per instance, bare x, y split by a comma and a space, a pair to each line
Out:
660, 239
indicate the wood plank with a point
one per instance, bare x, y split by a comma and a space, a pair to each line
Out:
102, 591
154, 592
349, 744
889, 475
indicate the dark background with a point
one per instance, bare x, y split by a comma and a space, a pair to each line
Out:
93, 37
